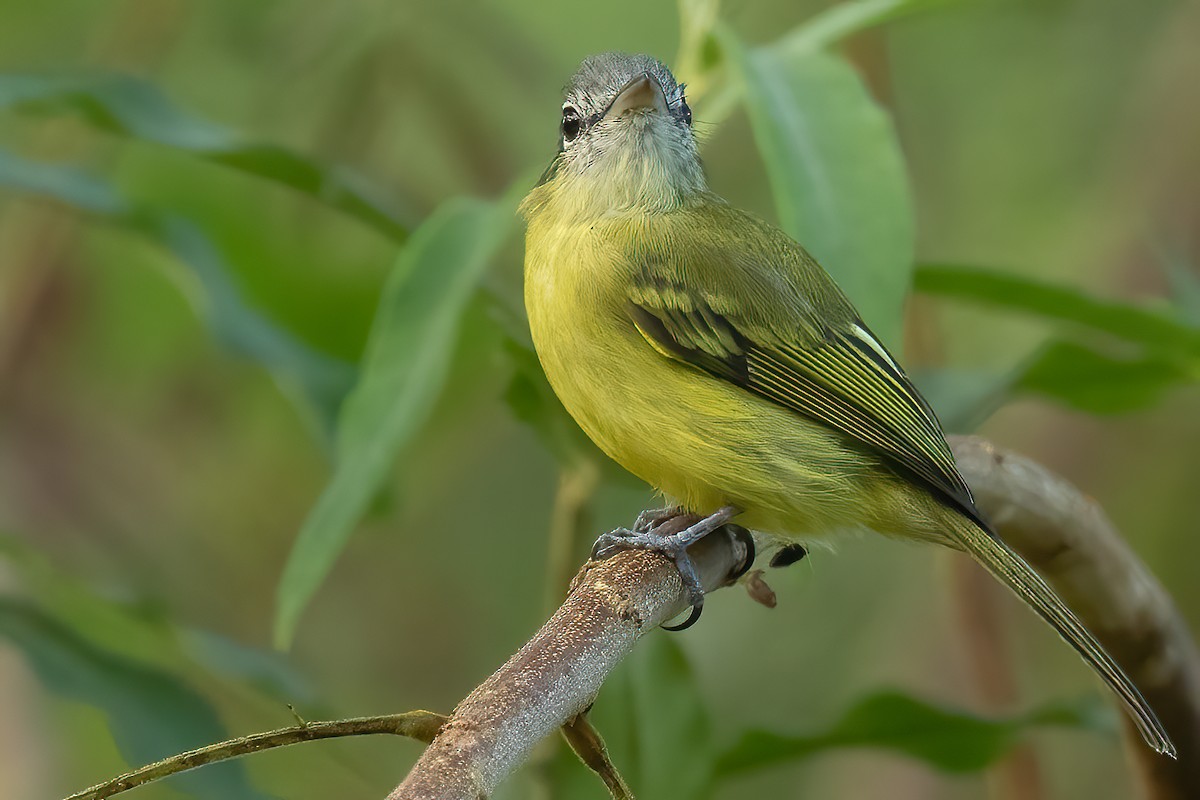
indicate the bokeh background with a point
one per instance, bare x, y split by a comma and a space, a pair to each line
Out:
154, 473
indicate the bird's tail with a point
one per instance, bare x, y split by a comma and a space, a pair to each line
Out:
1012, 570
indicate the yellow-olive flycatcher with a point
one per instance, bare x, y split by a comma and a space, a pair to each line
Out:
708, 353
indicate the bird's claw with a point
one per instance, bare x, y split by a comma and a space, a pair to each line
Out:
613, 542
673, 545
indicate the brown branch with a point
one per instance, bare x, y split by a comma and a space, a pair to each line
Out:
1061, 532
555, 677
557, 674
420, 725
1066, 536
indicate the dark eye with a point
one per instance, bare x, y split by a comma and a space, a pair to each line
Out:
572, 123
685, 111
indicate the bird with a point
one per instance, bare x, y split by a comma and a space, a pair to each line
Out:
709, 354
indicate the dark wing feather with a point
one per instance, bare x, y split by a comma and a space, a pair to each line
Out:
843, 379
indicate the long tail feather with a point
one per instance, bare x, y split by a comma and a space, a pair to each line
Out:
1012, 570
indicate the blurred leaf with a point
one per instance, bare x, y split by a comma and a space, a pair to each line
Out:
405, 366
142, 631
836, 173
947, 740
137, 109
1078, 375
266, 670
319, 381
653, 718
1062, 303
151, 713
1091, 381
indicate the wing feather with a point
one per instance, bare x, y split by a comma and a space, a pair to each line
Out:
844, 379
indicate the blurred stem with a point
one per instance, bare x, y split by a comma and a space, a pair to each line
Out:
842, 20
569, 522
980, 619
715, 94
696, 21
420, 725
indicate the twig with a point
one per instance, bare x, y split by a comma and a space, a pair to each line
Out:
554, 677
587, 743
420, 725
1066, 536
577, 484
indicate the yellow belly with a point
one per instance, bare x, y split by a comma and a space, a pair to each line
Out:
701, 441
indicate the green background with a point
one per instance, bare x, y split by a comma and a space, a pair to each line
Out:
154, 475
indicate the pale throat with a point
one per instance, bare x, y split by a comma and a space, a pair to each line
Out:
643, 170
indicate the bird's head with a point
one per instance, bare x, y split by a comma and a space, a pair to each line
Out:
626, 140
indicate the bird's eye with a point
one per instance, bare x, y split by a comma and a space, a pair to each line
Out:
686, 111
572, 123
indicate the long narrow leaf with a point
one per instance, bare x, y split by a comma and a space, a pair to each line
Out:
406, 364
1060, 303
1085, 379
836, 173
141, 632
137, 109
152, 714
842, 20
319, 380
951, 741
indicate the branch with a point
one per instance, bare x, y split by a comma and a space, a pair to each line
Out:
420, 725
557, 674
1067, 537
555, 677
1062, 533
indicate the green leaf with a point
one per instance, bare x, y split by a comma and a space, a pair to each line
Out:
143, 632
1060, 303
317, 380
1092, 381
653, 718
269, 671
836, 173
134, 108
950, 741
405, 366
151, 713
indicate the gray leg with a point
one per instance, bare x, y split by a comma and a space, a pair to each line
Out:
672, 545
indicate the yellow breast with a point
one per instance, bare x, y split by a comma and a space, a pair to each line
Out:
701, 441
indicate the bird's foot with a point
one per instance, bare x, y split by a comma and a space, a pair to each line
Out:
664, 536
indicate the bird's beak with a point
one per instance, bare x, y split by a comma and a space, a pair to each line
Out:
641, 92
